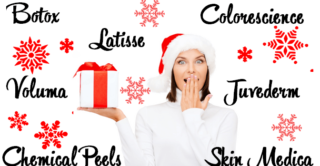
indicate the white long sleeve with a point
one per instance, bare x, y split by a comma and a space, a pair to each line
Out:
137, 150
202, 142
166, 136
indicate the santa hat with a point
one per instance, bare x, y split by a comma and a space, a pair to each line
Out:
172, 46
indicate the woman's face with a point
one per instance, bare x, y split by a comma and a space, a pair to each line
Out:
187, 63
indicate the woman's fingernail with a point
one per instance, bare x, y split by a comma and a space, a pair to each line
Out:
184, 85
188, 79
191, 75
210, 96
195, 77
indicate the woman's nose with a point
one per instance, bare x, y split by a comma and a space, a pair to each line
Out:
191, 68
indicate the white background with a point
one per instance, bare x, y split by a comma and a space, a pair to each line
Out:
82, 21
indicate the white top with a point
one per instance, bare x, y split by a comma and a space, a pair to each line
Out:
166, 136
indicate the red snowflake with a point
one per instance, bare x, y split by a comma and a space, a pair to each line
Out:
244, 54
18, 121
66, 46
285, 44
50, 134
286, 127
31, 55
149, 13
135, 90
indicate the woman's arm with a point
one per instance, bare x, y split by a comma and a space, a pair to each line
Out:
201, 140
137, 150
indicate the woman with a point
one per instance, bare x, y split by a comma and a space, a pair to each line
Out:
184, 130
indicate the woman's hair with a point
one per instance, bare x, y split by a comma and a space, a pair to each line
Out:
172, 94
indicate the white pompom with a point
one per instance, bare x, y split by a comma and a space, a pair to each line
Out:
159, 83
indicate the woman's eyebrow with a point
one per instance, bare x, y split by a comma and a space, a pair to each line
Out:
181, 57
200, 56
195, 58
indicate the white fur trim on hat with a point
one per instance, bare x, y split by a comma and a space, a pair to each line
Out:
159, 83
181, 43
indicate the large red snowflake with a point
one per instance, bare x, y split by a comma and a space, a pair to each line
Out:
135, 90
286, 127
285, 44
245, 54
149, 13
31, 55
50, 134
66, 45
18, 121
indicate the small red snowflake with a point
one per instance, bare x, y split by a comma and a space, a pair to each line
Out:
135, 90
66, 46
31, 55
50, 134
149, 13
286, 127
18, 121
244, 54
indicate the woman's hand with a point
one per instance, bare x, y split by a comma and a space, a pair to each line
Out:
190, 95
113, 113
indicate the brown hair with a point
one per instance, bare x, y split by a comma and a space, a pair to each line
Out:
173, 92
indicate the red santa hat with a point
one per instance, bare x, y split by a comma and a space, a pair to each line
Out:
172, 46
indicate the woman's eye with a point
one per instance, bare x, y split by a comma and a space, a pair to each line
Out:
181, 62
199, 61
